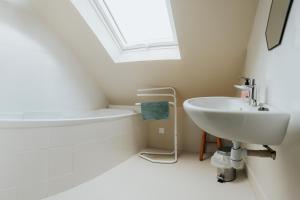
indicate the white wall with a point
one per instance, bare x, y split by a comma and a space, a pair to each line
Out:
278, 72
40, 162
189, 134
212, 35
37, 72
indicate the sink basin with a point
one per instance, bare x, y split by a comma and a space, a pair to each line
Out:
234, 119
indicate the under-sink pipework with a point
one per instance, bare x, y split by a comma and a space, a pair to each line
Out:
238, 153
268, 153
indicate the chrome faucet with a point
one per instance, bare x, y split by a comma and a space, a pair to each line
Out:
250, 86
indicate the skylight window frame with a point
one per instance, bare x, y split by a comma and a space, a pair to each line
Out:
102, 9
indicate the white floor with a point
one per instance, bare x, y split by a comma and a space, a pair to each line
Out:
137, 179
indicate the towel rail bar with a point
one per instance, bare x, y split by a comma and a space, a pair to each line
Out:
155, 95
161, 88
171, 103
146, 154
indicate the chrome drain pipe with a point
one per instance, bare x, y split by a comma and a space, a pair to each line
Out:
268, 153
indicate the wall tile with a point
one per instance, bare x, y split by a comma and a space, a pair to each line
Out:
87, 160
60, 161
32, 191
31, 139
60, 184
8, 194
8, 170
32, 167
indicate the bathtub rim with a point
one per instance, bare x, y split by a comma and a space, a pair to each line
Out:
68, 121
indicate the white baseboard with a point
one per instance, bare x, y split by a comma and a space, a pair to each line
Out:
258, 190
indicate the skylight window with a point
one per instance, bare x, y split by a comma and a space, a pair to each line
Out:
140, 29
139, 23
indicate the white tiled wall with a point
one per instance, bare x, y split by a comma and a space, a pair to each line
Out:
40, 162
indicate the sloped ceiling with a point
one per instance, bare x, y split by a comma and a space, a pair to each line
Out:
212, 34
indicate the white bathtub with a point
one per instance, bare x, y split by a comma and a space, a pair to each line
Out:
42, 153
48, 119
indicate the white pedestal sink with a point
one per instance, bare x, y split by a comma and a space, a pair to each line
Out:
234, 119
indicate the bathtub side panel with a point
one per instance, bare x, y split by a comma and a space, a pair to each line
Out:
40, 162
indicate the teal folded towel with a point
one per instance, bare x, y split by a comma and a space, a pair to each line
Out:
155, 110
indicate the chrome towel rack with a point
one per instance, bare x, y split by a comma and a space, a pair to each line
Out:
170, 92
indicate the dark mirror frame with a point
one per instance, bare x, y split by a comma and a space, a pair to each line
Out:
283, 28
